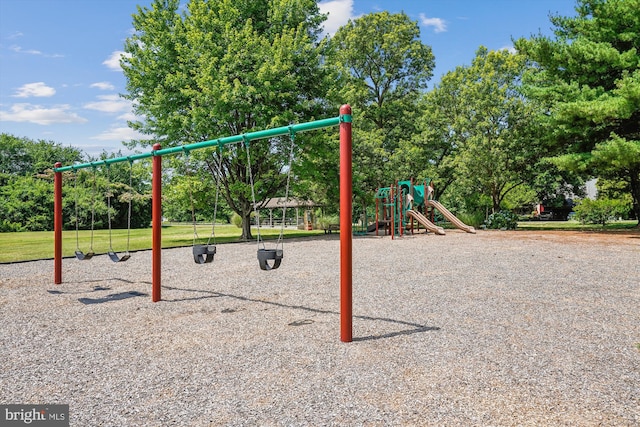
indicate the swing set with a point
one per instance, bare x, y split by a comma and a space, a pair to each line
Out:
111, 253
268, 259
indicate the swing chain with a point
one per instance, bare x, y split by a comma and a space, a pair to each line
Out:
292, 136
112, 254
215, 206
109, 205
193, 209
94, 189
77, 219
253, 193
130, 203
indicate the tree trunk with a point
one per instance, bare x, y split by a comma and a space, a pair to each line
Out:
495, 201
246, 226
635, 195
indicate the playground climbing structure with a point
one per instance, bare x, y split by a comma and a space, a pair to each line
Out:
397, 208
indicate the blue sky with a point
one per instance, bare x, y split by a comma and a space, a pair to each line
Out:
60, 79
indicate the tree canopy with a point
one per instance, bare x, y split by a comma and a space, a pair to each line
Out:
478, 130
226, 68
588, 77
383, 67
509, 129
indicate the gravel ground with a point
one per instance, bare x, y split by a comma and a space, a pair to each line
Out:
497, 328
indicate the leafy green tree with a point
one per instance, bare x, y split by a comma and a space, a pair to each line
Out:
382, 67
26, 182
225, 68
115, 181
599, 211
479, 129
24, 156
588, 77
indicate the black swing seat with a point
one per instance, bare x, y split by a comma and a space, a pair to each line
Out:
203, 254
82, 256
264, 255
115, 258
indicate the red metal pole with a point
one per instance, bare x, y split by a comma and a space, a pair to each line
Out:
392, 203
57, 226
377, 204
156, 219
401, 213
346, 272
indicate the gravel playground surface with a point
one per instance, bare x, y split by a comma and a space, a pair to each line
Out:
499, 328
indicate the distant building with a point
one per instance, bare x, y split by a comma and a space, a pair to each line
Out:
592, 191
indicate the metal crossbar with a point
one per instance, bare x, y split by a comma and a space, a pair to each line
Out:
268, 133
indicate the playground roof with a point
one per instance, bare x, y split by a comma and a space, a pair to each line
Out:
280, 202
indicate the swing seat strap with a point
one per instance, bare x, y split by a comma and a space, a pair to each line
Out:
264, 255
203, 254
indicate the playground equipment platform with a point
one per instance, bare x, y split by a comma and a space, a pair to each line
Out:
399, 205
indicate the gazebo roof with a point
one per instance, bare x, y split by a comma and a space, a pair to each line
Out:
281, 202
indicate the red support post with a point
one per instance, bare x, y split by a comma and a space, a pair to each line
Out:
377, 215
346, 271
392, 207
401, 210
156, 219
57, 226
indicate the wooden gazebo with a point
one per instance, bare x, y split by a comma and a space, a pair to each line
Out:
293, 203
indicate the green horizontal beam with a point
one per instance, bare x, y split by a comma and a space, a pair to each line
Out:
246, 138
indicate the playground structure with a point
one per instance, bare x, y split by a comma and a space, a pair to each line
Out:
398, 206
344, 123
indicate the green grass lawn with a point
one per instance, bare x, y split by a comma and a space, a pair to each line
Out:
32, 245
27, 246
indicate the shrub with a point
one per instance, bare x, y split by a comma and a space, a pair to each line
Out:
7, 226
236, 220
473, 219
599, 211
326, 220
502, 220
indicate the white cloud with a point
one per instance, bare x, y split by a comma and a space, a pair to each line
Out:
340, 11
103, 86
128, 117
509, 48
15, 35
109, 104
439, 25
113, 61
40, 115
19, 49
38, 89
122, 133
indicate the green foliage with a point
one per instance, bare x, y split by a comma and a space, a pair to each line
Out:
502, 220
473, 219
26, 199
24, 156
325, 221
478, 130
600, 211
225, 68
588, 77
381, 68
236, 220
